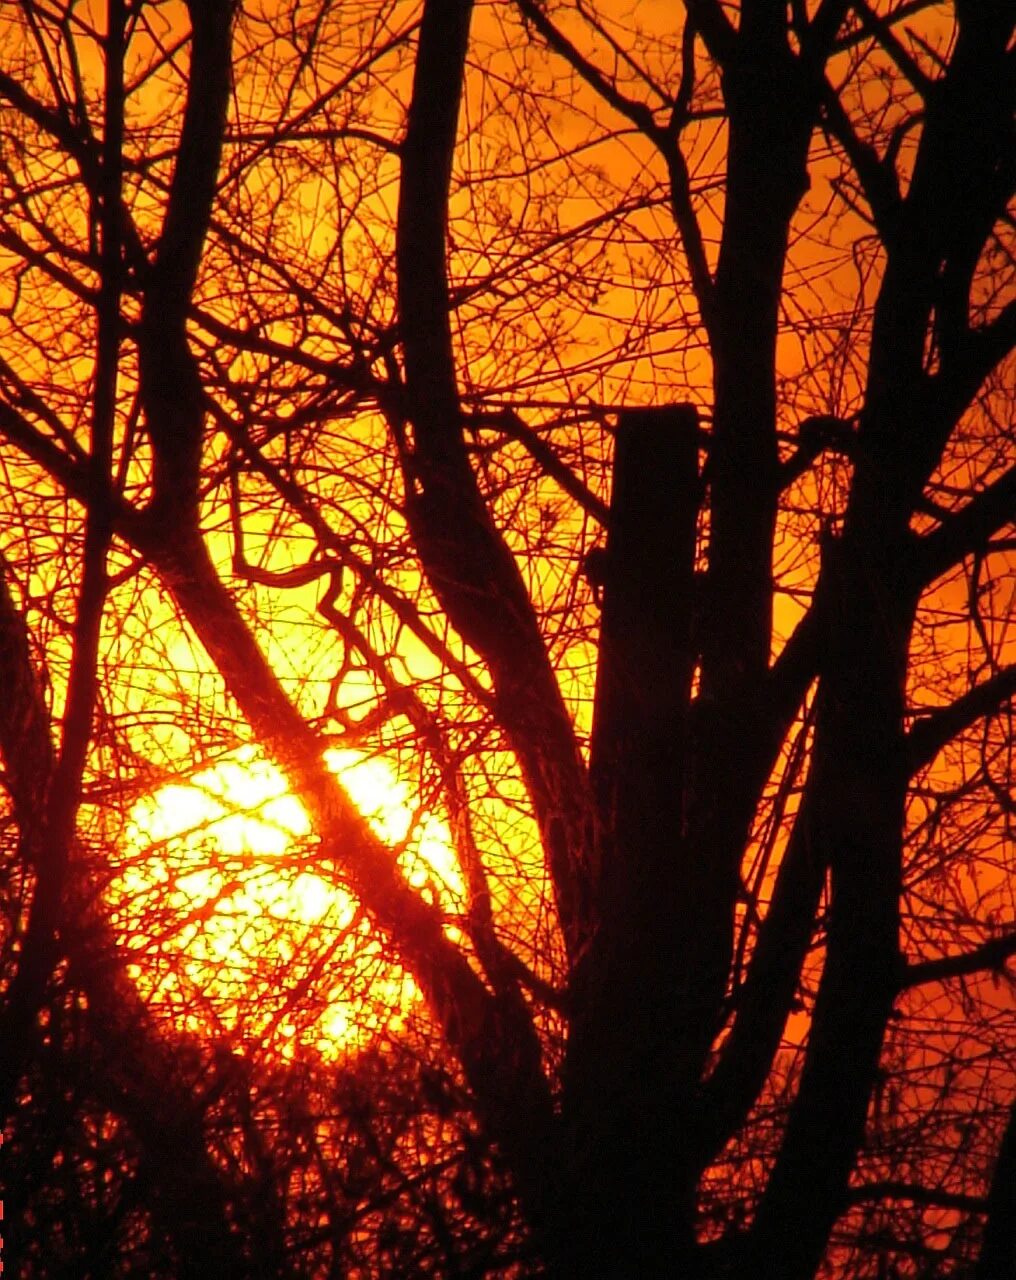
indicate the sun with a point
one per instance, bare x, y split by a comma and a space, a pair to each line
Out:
231, 927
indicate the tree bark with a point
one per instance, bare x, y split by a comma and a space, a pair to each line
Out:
466, 559
626, 1081
997, 1260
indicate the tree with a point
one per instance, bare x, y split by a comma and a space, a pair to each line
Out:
619, 404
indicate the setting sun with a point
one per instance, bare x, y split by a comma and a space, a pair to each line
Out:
247, 923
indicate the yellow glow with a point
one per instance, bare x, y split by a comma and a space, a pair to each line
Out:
253, 943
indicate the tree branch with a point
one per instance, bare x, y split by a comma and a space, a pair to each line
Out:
170, 387
718, 32
47, 829
877, 178
637, 112
664, 139
915, 1193
991, 955
936, 728
885, 37
346, 558
493, 1036
515, 428
161, 1115
764, 1000
466, 559
815, 435
969, 530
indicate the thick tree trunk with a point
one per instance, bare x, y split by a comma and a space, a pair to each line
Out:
997, 1260
626, 1078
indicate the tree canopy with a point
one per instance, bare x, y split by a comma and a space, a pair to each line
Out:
506, 581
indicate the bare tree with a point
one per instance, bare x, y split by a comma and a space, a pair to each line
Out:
616, 406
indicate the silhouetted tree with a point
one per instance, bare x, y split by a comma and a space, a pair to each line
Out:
605, 416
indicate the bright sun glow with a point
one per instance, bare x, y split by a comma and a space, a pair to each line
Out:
252, 943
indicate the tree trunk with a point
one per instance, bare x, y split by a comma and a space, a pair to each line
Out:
998, 1249
627, 1076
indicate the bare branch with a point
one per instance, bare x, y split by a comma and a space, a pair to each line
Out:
877, 176
515, 428
937, 728
969, 531
916, 1193
816, 435
990, 956
666, 139
171, 389
883, 33
465, 557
